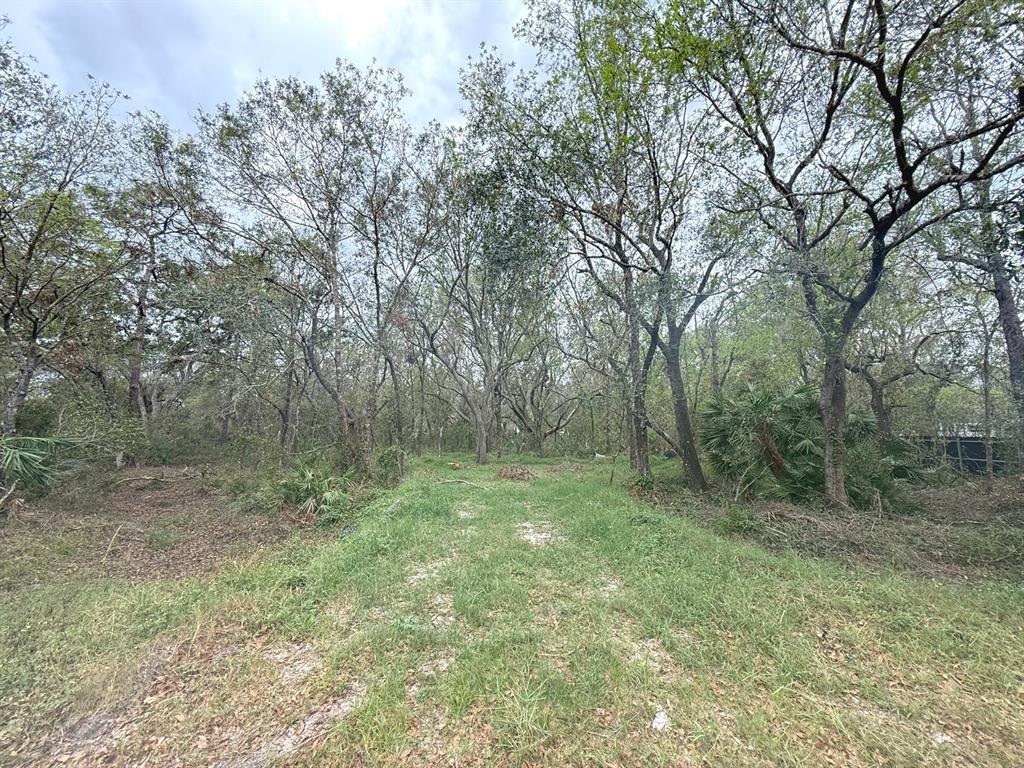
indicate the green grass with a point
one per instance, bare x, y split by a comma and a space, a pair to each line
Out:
471, 643
164, 538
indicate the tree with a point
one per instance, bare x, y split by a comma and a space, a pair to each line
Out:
609, 142
56, 260
478, 310
286, 161
861, 125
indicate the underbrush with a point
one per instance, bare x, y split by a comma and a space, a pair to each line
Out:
769, 444
312, 490
950, 531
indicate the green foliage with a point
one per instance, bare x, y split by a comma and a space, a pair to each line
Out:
38, 417
389, 466
317, 492
738, 519
877, 474
769, 442
102, 433
246, 493
163, 538
30, 461
641, 484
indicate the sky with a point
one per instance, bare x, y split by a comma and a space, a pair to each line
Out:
176, 57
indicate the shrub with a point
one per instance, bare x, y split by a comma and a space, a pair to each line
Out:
109, 437
248, 493
770, 442
389, 466
641, 484
317, 492
28, 461
766, 441
738, 519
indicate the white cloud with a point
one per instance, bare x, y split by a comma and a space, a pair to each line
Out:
176, 58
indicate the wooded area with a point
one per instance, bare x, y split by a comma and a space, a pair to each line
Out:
682, 210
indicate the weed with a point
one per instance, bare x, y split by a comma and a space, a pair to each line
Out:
738, 519
641, 485
317, 492
163, 538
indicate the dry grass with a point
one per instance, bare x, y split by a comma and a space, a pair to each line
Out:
516, 472
140, 525
957, 533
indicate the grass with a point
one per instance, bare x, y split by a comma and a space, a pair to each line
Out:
444, 635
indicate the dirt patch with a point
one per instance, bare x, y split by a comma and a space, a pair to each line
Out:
426, 572
310, 728
635, 648
218, 700
539, 534
340, 612
146, 524
661, 721
92, 736
516, 472
466, 511
651, 652
438, 739
434, 666
294, 661
442, 612
427, 670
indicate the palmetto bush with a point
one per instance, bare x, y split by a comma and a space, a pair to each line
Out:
317, 492
30, 460
769, 442
27, 462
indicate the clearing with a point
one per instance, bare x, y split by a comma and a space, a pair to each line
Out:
472, 620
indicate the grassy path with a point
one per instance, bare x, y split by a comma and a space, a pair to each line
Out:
470, 620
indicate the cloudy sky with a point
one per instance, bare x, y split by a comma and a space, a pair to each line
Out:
178, 56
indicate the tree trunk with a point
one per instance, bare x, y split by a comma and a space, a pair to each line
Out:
684, 427
535, 438
986, 383
138, 347
346, 415
833, 416
1009, 319
225, 427
640, 450
716, 378
833, 388
18, 393
346, 422
883, 422
480, 429
496, 442
396, 387
286, 410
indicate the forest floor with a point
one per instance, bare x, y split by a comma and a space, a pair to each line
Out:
467, 619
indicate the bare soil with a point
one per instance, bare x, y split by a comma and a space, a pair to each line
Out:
148, 523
